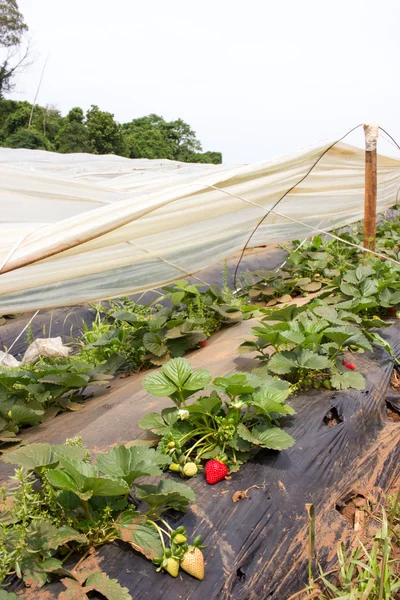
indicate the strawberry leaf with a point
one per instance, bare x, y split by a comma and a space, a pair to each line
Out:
167, 494
158, 384
178, 371
131, 463
154, 344
109, 588
348, 379
133, 528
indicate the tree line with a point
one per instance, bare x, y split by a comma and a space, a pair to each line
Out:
36, 127
23, 125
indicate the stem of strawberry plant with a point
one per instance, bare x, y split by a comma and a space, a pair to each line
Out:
198, 442
166, 524
158, 529
192, 434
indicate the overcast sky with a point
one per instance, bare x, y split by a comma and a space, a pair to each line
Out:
254, 78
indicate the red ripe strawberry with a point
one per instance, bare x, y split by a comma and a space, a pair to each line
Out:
203, 343
349, 365
215, 471
391, 310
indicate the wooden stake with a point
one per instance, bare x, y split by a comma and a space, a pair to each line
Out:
371, 137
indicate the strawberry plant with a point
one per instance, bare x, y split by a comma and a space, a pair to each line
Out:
32, 394
306, 345
238, 417
370, 288
156, 333
60, 503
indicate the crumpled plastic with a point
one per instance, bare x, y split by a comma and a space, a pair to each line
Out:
8, 360
50, 347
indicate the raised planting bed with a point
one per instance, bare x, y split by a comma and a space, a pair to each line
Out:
346, 446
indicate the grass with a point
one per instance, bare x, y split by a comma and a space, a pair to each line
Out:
370, 571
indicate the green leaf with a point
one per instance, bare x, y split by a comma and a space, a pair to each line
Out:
132, 527
122, 315
154, 344
8, 595
285, 314
350, 290
109, 588
45, 536
170, 415
167, 494
131, 463
62, 481
178, 371
103, 486
282, 363
368, 288
358, 275
159, 385
31, 457
348, 379
306, 359
24, 415
154, 422
82, 479
207, 405
266, 436
68, 452
178, 346
340, 335
314, 286
197, 380
68, 380
177, 297
267, 403
326, 312
272, 438
235, 384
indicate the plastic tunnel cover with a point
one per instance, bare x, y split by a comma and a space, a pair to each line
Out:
79, 228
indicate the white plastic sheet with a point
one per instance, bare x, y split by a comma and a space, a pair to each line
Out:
78, 228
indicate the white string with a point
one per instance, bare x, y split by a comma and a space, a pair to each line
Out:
24, 329
328, 233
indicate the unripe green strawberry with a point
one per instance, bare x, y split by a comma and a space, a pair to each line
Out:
180, 538
172, 567
190, 469
174, 467
193, 563
171, 445
327, 384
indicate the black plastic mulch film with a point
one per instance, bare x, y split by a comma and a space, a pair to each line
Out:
257, 548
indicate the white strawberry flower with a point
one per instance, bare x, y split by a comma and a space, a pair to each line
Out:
237, 404
183, 414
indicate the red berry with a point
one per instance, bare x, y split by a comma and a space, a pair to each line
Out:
215, 471
203, 343
391, 310
349, 365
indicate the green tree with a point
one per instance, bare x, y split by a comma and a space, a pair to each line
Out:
48, 121
17, 119
145, 138
181, 138
105, 134
12, 25
28, 138
73, 137
76, 115
12, 30
153, 137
